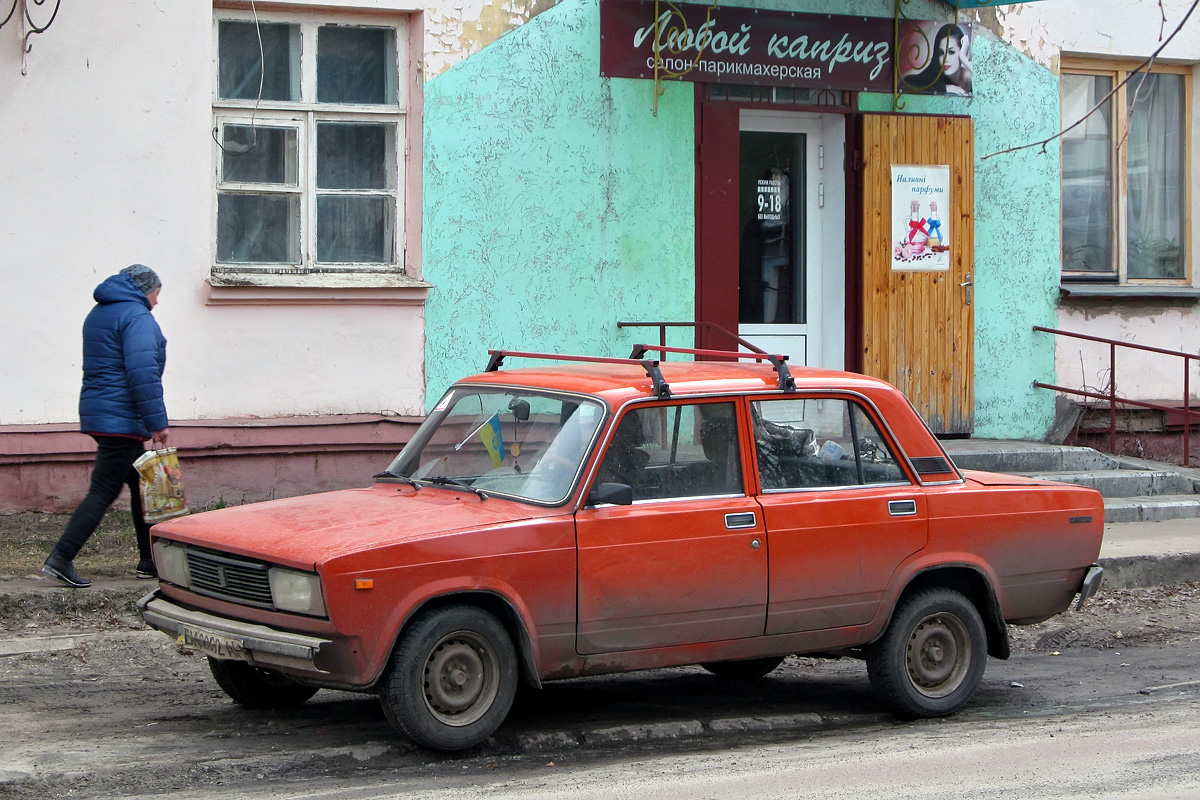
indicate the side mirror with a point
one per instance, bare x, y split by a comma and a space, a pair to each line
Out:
617, 494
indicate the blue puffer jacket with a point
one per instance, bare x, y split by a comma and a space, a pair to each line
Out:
124, 353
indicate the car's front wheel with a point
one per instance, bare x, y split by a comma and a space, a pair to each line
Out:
452, 678
932, 656
258, 688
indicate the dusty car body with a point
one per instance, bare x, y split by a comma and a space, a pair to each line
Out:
606, 515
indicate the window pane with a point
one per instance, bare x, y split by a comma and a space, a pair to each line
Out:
239, 72
356, 156
258, 229
356, 65
1156, 172
355, 229
876, 461
259, 155
1087, 176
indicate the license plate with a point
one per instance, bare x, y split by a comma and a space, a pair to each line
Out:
211, 644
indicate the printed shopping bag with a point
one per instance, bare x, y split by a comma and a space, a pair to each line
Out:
161, 484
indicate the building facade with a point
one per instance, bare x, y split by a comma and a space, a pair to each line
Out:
350, 201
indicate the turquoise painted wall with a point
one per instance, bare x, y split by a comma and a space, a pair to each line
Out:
557, 203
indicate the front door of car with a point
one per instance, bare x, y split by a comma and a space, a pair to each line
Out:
840, 511
687, 561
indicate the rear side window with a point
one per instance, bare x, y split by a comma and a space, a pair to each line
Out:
818, 443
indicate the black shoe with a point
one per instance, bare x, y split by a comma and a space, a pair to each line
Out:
146, 571
63, 570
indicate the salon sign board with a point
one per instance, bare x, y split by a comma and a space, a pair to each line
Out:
920, 227
726, 44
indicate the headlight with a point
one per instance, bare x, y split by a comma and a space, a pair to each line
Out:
299, 592
171, 561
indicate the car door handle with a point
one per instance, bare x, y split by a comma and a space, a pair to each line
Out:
745, 519
902, 508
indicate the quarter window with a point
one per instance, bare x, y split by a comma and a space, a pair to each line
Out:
1124, 174
308, 127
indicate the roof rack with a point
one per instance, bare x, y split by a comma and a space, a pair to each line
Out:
786, 382
661, 389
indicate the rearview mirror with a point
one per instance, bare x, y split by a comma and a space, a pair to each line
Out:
519, 408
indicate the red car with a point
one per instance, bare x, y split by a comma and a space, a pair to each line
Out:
607, 515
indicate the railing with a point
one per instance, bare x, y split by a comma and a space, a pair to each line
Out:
707, 326
1111, 396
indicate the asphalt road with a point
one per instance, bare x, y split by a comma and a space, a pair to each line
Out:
1096, 704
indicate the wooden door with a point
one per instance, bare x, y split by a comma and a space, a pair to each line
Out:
918, 325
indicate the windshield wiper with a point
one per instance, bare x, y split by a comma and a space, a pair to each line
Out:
387, 473
445, 480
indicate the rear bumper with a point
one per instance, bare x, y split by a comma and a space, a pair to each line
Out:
1090, 585
234, 640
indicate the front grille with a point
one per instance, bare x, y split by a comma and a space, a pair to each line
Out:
237, 580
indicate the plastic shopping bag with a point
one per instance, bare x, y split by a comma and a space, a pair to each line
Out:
161, 485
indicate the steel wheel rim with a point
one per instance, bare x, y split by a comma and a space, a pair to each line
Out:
938, 655
460, 680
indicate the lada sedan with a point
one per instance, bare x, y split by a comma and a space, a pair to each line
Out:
591, 516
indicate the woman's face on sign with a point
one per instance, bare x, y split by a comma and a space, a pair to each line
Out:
947, 56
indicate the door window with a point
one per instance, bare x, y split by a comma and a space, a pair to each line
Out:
819, 443
675, 451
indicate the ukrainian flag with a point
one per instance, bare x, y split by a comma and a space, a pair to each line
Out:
489, 432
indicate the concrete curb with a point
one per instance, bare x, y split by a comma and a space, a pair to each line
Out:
1140, 572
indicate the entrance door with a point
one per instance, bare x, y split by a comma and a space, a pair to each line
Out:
918, 324
814, 313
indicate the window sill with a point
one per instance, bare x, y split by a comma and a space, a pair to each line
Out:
1095, 291
326, 288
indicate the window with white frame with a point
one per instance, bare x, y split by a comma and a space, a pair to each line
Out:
1124, 173
308, 124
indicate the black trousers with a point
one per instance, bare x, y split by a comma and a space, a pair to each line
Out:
113, 469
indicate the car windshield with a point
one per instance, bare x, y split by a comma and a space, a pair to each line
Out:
522, 444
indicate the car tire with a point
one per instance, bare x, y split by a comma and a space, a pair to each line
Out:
745, 670
253, 687
932, 656
452, 679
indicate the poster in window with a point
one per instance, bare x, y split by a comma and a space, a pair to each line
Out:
920, 229
935, 58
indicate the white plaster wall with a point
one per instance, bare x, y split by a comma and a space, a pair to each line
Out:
1133, 29
107, 160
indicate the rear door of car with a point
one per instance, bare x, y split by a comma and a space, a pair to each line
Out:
686, 562
841, 511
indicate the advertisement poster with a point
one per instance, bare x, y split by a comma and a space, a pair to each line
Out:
935, 57
920, 233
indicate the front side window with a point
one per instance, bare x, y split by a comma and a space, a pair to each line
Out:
521, 444
308, 126
675, 451
820, 443
1124, 176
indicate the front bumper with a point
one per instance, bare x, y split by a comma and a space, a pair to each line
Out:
231, 639
1090, 585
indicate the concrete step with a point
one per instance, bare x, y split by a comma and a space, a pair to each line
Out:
1025, 457
1153, 509
1116, 483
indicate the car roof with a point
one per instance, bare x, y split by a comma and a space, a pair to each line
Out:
618, 383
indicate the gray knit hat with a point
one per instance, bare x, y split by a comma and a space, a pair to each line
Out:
145, 278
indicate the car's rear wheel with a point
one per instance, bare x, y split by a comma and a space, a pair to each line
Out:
744, 670
258, 688
932, 656
452, 678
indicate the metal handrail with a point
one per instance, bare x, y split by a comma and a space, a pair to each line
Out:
1112, 398
708, 326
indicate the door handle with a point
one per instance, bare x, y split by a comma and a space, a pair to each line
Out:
902, 508
741, 520
968, 284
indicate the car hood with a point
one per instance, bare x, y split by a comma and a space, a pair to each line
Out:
1001, 479
303, 531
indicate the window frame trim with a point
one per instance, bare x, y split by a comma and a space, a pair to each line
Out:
396, 283
1118, 69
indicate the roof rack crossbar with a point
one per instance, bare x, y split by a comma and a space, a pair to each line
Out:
661, 388
779, 362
